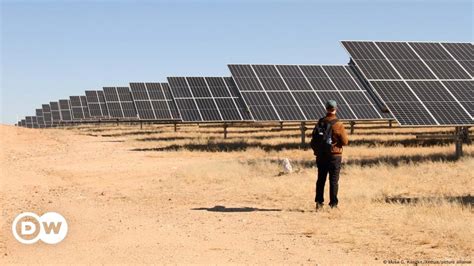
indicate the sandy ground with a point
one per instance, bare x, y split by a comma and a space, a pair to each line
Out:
131, 207
126, 206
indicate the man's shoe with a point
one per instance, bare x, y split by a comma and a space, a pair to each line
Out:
333, 206
319, 206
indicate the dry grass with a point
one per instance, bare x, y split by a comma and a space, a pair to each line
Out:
400, 197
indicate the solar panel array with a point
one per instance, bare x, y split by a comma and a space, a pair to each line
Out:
119, 102
153, 101
207, 99
299, 92
421, 83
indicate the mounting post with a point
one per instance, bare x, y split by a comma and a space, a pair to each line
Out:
117, 122
281, 125
352, 123
225, 130
390, 123
303, 134
175, 127
465, 135
458, 134
141, 125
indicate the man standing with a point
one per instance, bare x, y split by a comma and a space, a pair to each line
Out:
328, 137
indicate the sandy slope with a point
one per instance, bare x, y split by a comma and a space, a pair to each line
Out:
135, 207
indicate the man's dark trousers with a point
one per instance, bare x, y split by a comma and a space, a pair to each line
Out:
331, 165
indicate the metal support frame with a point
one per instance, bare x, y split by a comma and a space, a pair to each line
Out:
225, 130
281, 125
459, 134
465, 135
352, 123
303, 129
390, 123
175, 127
141, 124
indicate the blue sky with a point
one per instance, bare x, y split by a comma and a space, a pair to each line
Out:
54, 49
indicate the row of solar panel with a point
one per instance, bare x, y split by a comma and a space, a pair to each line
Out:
420, 83
146, 101
299, 92
206, 99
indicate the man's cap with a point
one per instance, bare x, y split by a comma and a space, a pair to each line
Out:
331, 104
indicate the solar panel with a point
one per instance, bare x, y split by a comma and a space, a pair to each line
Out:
421, 83
76, 108
79, 108
96, 104
65, 110
119, 102
22, 123
464, 92
39, 118
207, 99
299, 92
34, 122
169, 98
48, 120
153, 101
85, 107
29, 122
55, 113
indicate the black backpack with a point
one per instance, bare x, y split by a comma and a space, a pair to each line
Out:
321, 141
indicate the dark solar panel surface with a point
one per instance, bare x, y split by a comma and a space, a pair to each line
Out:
96, 104
65, 110
153, 101
299, 92
421, 83
119, 102
202, 99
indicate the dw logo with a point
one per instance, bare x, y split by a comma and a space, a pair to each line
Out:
28, 228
